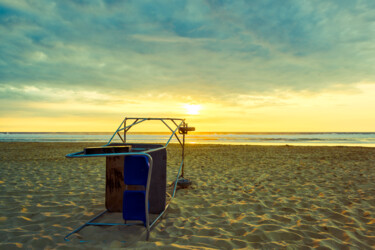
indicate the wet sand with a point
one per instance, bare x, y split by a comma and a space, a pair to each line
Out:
241, 197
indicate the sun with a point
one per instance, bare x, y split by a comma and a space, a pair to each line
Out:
192, 109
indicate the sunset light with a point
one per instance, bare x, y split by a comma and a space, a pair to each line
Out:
192, 109
278, 70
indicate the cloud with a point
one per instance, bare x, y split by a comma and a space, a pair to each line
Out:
35, 102
201, 48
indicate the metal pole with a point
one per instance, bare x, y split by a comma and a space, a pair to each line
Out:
125, 130
174, 133
183, 150
110, 140
172, 130
79, 228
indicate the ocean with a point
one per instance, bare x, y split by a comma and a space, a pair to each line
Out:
307, 139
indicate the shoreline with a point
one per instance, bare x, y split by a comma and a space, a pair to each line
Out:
102, 143
271, 139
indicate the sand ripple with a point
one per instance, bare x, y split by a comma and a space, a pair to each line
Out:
241, 197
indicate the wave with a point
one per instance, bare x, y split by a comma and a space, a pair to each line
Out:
328, 138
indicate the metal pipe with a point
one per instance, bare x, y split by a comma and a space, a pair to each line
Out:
125, 130
167, 125
131, 125
175, 183
120, 137
172, 131
147, 192
111, 224
159, 216
81, 155
116, 131
173, 134
174, 192
150, 118
176, 123
79, 228
183, 154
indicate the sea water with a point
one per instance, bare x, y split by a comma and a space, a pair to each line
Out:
318, 139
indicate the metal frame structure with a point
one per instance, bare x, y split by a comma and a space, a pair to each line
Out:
180, 126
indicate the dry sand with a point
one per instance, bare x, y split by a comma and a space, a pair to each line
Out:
242, 197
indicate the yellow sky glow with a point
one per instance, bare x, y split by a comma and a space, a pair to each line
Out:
284, 112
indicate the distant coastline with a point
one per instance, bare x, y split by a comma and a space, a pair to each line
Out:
364, 139
193, 133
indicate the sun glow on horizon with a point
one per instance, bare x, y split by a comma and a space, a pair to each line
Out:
192, 109
334, 110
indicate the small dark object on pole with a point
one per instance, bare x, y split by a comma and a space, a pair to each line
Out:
183, 183
184, 130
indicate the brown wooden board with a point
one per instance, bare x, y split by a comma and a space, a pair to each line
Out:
107, 150
115, 185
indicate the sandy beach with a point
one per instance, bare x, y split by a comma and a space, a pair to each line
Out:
242, 197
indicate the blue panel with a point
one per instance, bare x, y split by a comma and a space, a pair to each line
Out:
136, 170
134, 205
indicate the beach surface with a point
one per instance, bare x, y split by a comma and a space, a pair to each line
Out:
242, 197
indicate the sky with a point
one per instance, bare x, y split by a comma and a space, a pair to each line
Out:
244, 66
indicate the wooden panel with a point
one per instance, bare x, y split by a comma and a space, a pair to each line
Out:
107, 150
115, 185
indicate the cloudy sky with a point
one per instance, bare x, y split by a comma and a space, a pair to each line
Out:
261, 65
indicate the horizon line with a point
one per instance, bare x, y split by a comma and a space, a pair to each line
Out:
192, 132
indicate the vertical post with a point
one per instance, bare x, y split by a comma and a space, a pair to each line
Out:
183, 149
125, 130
